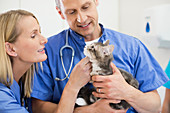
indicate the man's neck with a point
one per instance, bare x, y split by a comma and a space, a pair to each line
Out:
95, 35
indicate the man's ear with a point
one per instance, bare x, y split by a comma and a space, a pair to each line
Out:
10, 49
60, 13
96, 2
111, 48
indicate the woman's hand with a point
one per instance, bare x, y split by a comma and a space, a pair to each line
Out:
80, 75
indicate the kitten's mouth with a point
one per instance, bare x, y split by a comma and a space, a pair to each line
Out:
89, 54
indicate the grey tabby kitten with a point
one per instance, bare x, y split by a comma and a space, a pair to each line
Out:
101, 56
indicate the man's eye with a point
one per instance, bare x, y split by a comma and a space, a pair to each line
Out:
85, 7
71, 12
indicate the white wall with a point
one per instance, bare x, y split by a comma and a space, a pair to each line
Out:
49, 19
4, 5
44, 10
109, 13
131, 21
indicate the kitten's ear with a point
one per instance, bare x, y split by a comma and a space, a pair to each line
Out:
106, 43
111, 48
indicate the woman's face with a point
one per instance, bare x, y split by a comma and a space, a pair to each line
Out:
29, 46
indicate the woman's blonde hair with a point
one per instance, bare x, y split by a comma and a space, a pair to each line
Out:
9, 32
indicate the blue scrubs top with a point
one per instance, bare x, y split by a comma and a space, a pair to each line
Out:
167, 71
129, 54
10, 99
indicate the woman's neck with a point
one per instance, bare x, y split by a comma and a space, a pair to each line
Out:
19, 68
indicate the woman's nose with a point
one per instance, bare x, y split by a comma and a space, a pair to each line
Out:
44, 40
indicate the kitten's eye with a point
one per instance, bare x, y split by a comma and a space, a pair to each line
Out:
92, 46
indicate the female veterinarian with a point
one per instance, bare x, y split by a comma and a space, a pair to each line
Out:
22, 45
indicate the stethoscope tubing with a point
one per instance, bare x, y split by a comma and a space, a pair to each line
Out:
61, 56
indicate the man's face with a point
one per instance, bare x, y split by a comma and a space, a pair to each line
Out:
81, 16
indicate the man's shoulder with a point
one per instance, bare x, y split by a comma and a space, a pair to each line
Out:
57, 36
116, 35
56, 41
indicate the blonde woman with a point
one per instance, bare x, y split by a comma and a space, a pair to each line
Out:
22, 45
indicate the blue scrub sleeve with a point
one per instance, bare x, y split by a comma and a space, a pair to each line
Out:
8, 102
43, 83
167, 71
149, 73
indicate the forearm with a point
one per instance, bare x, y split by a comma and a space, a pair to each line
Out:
68, 99
100, 106
39, 106
66, 104
85, 109
144, 102
166, 104
79, 77
166, 107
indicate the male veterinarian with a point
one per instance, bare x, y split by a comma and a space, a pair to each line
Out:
129, 54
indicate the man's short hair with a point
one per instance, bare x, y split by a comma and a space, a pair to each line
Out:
58, 4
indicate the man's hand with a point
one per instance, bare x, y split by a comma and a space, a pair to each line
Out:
111, 86
101, 106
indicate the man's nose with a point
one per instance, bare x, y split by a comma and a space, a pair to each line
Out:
81, 17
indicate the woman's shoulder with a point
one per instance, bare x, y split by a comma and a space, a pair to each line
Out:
4, 90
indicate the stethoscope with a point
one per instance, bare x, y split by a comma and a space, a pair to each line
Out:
61, 56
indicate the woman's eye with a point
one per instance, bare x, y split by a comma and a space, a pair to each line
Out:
33, 36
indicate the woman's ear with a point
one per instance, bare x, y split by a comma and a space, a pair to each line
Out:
10, 49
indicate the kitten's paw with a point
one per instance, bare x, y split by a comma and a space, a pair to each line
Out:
81, 102
93, 73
